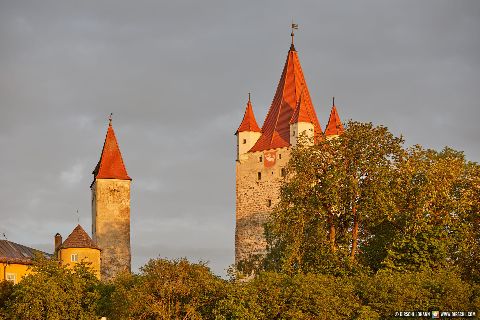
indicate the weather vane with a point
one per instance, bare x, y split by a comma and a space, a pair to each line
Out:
294, 27
110, 118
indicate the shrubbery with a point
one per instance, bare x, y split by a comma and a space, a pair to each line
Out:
182, 290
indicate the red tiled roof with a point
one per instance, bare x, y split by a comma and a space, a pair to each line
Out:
110, 165
303, 113
78, 239
334, 126
276, 127
248, 123
11, 252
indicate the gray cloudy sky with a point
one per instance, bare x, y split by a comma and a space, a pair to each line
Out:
176, 76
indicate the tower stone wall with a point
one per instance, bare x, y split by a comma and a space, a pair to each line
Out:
111, 225
255, 197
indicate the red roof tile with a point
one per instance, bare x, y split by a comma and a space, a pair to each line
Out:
276, 127
110, 165
303, 113
248, 123
78, 239
334, 126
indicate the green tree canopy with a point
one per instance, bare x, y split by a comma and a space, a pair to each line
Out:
363, 201
53, 291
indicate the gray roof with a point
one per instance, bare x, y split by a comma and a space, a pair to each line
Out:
11, 252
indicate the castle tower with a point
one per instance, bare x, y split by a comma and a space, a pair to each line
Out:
260, 170
111, 209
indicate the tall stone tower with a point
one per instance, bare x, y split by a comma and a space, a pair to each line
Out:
111, 209
262, 154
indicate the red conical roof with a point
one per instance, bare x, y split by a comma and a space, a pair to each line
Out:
276, 127
334, 126
78, 239
303, 113
111, 164
248, 123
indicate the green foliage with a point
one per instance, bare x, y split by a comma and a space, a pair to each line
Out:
390, 291
182, 290
280, 296
362, 203
6, 290
52, 291
338, 192
166, 290
436, 206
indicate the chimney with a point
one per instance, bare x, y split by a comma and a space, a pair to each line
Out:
58, 241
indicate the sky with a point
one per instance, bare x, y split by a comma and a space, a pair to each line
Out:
176, 75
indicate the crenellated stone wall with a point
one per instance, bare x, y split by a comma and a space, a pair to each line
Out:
111, 225
255, 198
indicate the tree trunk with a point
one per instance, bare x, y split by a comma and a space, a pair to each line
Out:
354, 234
332, 232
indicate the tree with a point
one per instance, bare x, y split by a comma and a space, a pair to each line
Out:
273, 295
389, 291
166, 290
436, 214
337, 192
6, 290
53, 291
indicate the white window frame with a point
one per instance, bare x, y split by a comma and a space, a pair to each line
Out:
74, 257
11, 277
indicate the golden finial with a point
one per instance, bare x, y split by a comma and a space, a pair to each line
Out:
333, 103
249, 97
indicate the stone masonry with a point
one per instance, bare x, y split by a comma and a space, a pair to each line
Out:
111, 224
255, 199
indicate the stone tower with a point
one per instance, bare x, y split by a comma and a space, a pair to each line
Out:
262, 155
111, 209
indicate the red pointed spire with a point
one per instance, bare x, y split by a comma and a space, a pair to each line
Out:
276, 128
110, 165
334, 126
302, 113
248, 123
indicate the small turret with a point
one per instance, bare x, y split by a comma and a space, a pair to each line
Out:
248, 132
334, 126
302, 124
79, 247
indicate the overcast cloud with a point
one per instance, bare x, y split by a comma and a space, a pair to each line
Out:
176, 76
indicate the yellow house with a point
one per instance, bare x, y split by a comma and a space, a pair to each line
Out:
15, 260
76, 248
